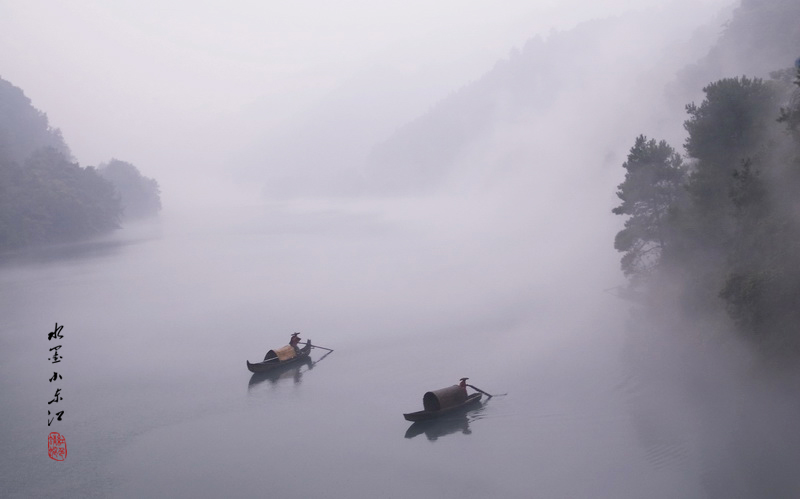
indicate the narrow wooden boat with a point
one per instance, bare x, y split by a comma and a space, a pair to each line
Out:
438, 403
280, 357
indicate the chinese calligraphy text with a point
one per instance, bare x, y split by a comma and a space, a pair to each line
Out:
56, 443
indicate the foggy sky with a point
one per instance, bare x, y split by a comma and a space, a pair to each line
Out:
165, 85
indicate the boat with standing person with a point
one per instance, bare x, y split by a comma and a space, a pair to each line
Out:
290, 354
281, 357
437, 403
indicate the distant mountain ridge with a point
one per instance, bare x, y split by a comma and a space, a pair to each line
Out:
761, 36
593, 86
609, 60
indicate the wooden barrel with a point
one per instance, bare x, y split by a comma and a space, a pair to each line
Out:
283, 353
437, 400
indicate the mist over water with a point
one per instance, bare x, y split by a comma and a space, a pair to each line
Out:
162, 399
498, 265
158, 398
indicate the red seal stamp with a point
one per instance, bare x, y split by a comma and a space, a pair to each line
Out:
56, 446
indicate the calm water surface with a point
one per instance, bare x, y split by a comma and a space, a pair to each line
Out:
158, 323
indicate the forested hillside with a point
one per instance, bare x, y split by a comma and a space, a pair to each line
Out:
45, 197
761, 35
603, 74
139, 195
23, 128
721, 230
636, 70
712, 229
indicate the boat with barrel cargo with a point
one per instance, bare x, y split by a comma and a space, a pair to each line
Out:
281, 357
437, 403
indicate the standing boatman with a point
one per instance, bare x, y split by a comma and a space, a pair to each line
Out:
463, 386
294, 340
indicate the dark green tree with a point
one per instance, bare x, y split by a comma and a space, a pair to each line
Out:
651, 192
791, 113
75, 202
763, 282
49, 199
23, 128
733, 125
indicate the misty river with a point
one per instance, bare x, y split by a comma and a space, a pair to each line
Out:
158, 321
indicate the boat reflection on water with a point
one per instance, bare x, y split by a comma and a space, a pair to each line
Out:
446, 425
292, 371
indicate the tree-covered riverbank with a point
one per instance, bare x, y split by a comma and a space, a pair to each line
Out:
46, 197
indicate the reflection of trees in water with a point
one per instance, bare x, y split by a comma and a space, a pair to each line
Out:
661, 418
751, 442
702, 408
65, 252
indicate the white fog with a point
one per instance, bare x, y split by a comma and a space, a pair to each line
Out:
424, 188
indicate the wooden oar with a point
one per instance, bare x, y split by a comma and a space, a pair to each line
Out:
487, 394
319, 359
328, 349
